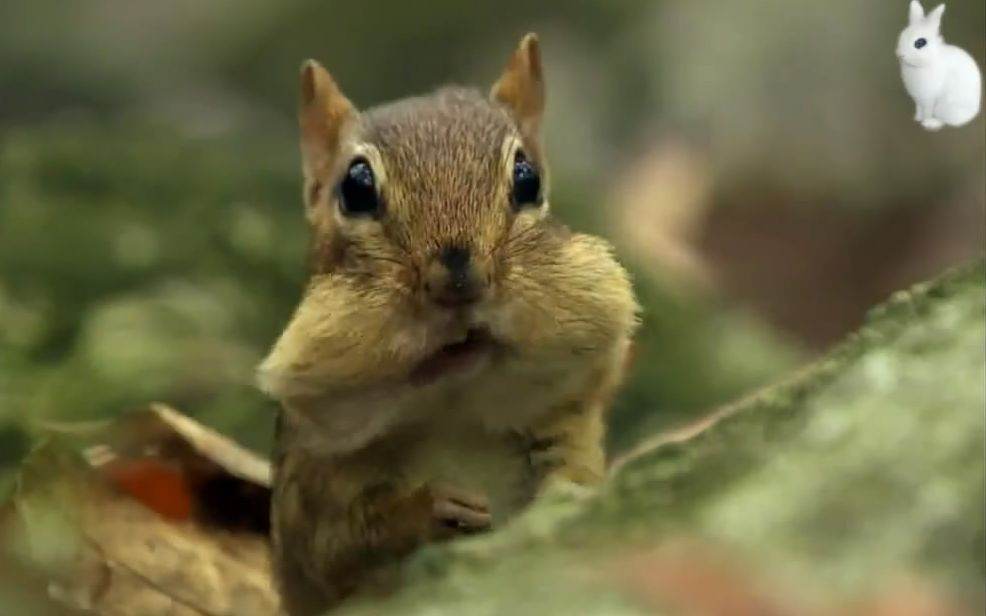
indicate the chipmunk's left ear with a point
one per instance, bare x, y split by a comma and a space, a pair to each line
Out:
324, 115
521, 86
935, 15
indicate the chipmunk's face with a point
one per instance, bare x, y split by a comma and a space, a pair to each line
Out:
428, 193
434, 197
434, 258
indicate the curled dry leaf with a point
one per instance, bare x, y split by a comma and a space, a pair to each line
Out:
167, 519
182, 469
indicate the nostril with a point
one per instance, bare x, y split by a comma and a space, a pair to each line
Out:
455, 258
453, 278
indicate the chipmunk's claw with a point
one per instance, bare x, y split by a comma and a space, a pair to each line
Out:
456, 512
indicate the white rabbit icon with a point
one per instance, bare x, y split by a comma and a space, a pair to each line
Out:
943, 80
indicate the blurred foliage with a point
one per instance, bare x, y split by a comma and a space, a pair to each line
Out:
360, 40
801, 96
140, 266
151, 237
690, 355
151, 243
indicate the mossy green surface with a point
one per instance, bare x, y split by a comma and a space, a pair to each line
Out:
866, 467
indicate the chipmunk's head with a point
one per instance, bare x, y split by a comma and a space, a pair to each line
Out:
433, 248
435, 183
921, 42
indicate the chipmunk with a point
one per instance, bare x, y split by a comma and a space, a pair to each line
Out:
455, 347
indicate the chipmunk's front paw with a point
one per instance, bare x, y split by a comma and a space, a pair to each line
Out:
455, 512
932, 123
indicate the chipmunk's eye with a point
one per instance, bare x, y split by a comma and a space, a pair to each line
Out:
527, 182
921, 42
357, 191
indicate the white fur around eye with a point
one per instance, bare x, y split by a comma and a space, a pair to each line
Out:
508, 152
372, 154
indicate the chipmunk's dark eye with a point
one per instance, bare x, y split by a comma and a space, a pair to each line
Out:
357, 191
921, 42
527, 182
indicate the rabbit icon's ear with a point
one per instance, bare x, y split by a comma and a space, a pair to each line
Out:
916, 13
934, 17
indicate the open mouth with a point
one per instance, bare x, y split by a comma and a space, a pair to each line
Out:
454, 357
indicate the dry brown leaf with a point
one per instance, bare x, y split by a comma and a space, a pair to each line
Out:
137, 553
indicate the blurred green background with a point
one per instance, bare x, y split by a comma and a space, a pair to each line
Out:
756, 163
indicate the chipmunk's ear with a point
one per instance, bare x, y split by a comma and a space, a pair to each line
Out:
324, 113
916, 13
934, 17
521, 86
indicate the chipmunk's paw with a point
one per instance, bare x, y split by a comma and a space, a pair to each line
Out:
455, 512
932, 123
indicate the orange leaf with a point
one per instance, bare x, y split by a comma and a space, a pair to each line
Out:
155, 484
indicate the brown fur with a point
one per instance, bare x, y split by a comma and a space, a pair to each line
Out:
365, 456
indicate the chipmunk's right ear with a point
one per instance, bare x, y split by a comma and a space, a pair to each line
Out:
324, 114
520, 87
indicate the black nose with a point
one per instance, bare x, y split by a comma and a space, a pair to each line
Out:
456, 261
452, 279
